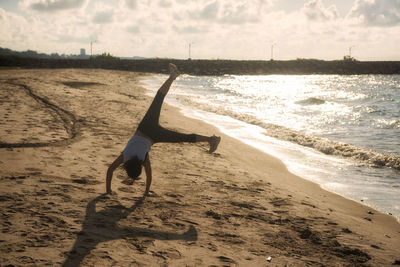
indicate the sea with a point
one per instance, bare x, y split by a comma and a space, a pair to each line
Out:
339, 131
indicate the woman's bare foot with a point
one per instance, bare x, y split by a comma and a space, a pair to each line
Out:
173, 71
214, 142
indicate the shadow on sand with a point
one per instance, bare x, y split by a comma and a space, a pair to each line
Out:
101, 226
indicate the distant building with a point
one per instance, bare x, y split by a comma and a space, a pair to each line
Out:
83, 52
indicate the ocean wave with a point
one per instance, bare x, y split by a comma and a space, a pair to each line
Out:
329, 147
311, 101
388, 124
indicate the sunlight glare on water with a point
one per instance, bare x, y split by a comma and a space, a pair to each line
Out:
297, 102
325, 128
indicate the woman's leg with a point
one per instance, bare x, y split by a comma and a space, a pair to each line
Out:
150, 123
173, 74
202, 138
167, 136
166, 85
152, 115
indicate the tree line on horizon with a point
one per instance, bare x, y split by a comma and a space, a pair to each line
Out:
34, 54
32, 59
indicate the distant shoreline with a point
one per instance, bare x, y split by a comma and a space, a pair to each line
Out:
212, 67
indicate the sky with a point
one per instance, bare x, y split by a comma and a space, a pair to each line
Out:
213, 29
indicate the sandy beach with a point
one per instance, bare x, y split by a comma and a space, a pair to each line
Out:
60, 130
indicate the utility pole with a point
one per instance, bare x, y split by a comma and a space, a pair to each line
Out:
190, 46
272, 51
91, 46
350, 50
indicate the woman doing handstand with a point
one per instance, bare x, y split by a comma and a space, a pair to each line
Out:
136, 153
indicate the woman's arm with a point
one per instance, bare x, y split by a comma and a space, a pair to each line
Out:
147, 169
118, 161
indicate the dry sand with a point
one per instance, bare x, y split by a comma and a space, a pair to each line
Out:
60, 129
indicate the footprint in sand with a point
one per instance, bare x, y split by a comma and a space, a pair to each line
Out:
126, 189
168, 254
33, 169
226, 260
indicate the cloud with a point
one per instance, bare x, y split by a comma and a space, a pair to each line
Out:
133, 29
52, 5
103, 17
384, 13
64, 38
190, 29
165, 3
103, 14
241, 12
316, 11
234, 29
18, 32
2, 14
131, 4
228, 12
210, 11
4, 32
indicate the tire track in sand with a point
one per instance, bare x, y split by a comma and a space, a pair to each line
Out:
71, 123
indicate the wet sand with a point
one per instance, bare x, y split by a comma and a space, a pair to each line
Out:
60, 129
